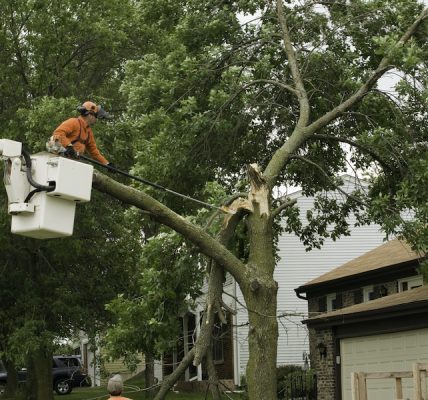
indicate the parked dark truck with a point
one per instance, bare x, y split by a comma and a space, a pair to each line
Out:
67, 373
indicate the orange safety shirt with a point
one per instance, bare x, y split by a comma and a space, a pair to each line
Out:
75, 131
118, 398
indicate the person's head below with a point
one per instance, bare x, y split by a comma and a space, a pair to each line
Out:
115, 385
90, 112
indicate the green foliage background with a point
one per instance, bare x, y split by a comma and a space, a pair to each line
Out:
196, 95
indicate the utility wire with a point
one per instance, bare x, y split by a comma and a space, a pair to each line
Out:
155, 185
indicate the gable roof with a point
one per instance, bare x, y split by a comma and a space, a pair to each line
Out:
410, 300
394, 252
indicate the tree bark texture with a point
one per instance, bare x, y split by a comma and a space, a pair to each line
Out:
262, 341
213, 379
39, 380
260, 292
149, 376
12, 379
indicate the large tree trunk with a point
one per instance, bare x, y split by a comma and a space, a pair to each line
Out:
263, 341
149, 376
39, 381
260, 293
12, 379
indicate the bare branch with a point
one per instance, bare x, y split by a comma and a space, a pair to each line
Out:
274, 82
360, 146
215, 289
383, 67
302, 133
338, 188
286, 204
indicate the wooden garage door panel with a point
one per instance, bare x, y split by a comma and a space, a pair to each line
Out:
382, 353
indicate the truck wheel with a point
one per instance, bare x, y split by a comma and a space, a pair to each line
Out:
2, 388
62, 386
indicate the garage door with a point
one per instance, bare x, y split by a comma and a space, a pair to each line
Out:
382, 353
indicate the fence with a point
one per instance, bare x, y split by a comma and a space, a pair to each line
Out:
419, 375
299, 385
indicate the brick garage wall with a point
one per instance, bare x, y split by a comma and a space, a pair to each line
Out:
324, 366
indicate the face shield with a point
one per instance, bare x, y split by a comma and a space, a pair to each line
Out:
102, 114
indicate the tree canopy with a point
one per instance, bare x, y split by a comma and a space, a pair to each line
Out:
291, 97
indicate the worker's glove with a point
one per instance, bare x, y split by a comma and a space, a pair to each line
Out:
70, 152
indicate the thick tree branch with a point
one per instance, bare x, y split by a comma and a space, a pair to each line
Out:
215, 290
214, 383
286, 204
384, 66
294, 68
207, 244
170, 380
302, 133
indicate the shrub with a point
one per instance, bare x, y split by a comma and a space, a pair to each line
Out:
295, 382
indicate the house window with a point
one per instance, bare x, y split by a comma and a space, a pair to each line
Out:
219, 333
410, 283
368, 293
331, 298
334, 301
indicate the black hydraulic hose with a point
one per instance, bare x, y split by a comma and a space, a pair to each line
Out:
145, 181
41, 188
31, 194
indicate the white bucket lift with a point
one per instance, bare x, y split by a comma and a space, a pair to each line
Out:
38, 213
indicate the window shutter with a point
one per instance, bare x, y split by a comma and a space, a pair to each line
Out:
322, 304
338, 303
358, 296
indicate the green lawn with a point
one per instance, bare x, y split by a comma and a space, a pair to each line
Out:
131, 391
100, 394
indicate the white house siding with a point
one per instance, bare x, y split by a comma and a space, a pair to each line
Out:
295, 268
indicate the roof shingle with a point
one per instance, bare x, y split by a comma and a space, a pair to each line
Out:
391, 253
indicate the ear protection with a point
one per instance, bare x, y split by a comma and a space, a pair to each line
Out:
88, 107
82, 110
